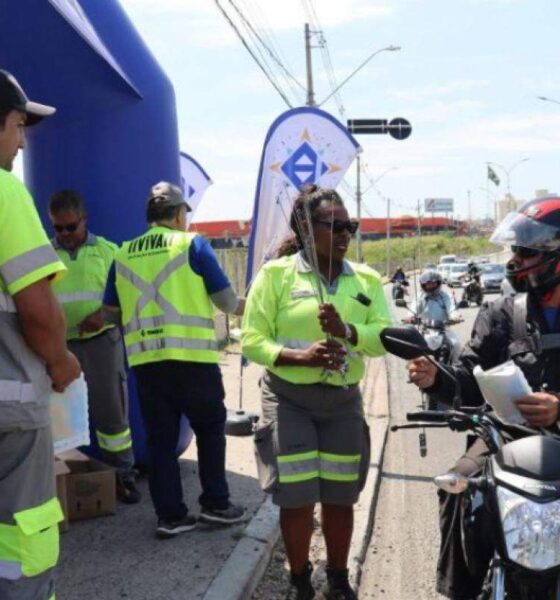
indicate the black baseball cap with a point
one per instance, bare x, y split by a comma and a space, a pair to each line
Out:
13, 97
166, 194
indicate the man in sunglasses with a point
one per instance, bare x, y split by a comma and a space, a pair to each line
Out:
96, 342
33, 360
524, 328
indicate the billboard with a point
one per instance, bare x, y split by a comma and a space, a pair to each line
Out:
441, 205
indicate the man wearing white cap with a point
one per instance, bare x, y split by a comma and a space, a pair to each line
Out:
166, 282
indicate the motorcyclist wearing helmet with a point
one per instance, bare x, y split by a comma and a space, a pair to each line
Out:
398, 275
434, 304
514, 328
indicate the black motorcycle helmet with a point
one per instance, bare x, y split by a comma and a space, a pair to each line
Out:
534, 230
428, 279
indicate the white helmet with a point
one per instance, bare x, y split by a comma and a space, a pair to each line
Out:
430, 276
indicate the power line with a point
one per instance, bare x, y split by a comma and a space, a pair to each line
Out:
270, 52
254, 57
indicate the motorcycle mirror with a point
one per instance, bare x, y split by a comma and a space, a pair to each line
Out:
400, 302
404, 342
452, 483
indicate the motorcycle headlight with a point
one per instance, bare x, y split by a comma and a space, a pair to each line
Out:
531, 530
434, 340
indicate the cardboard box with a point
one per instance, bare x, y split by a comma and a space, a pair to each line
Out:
90, 487
61, 470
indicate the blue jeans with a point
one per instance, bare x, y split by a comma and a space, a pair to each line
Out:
167, 390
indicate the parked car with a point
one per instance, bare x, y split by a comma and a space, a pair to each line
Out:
456, 274
430, 266
491, 276
447, 258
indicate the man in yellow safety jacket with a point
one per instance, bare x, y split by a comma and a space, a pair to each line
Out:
96, 343
33, 358
165, 283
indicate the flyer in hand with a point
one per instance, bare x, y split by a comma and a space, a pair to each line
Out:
69, 416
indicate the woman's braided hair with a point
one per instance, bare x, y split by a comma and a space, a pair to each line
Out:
312, 195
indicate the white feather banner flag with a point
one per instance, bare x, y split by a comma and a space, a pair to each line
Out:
194, 182
303, 145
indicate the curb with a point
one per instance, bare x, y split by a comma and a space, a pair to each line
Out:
245, 566
376, 393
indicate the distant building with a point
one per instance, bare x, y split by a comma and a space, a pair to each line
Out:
235, 234
224, 234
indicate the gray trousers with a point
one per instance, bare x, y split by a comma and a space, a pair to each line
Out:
26, 481
102, 361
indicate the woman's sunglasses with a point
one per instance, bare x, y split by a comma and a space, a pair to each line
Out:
338, 226
70, 228
523, 252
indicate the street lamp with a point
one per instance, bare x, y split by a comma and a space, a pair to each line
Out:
390, 48
545, 99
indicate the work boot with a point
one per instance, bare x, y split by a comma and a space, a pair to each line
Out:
337, 586
127, 492
301, 588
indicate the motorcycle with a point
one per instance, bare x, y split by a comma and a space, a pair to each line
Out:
399, 289
510, 512
472, 293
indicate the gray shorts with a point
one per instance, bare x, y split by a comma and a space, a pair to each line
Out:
311, 444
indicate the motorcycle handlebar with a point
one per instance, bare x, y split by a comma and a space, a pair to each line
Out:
429, 416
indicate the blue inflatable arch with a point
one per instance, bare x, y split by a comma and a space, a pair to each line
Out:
115, 131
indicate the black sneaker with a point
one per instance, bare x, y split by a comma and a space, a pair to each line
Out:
168, 528
226, 516
337, 586
127, 492
300, 585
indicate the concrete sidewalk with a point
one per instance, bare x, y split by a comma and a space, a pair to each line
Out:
111, 558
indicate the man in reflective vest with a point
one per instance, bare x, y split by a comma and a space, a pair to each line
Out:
96, 343
165, 283
33, 358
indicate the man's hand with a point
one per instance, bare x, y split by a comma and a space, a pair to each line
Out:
540, 409
422, 372
328, 354
64, 372
330, 321
92, 323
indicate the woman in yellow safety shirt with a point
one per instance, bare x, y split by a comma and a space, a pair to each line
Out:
312, 441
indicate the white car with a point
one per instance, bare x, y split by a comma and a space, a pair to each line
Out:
456, 274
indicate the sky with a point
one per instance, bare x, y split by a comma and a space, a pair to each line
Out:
466, 77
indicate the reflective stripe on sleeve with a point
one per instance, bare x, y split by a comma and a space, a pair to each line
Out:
339, 467
26, 263
10, 570
171, 343
17, 391
114, 442
79, 297
293, 468
7, 303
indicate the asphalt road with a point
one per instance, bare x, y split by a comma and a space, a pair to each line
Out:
401, 560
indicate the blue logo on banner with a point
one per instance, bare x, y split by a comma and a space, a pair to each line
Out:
304, 166
190, 191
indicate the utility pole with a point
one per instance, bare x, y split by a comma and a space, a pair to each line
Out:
388, 249
359, 256
309, 65
469, 210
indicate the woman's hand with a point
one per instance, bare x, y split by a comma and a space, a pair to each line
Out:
540, 409
330, 321
328, 354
